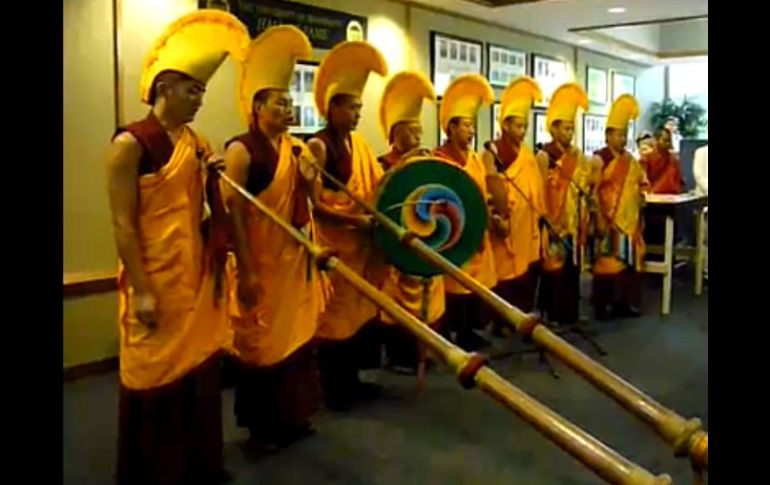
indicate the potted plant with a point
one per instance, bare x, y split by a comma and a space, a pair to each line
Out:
691, 116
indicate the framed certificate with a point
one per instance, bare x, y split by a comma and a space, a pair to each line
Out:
504, 65
542, 136
306, 119
496, 131
622, 84
596, 85
593, 133
550, 73
450, 57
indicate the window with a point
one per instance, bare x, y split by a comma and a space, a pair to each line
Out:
690, 79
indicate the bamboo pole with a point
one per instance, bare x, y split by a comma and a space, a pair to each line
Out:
686, 437
472, 371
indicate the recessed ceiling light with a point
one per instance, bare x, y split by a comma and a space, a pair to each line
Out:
584, 41
616, 10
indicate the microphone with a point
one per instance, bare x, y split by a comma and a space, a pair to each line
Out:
296, 150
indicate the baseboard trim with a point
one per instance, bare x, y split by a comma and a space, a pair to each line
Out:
75, 372
77, 285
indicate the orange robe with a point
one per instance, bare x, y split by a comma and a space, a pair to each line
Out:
663, 172
568, 173
520, 248
291, 292
422, 297
348, 310
482, 265
191, 324
618, 241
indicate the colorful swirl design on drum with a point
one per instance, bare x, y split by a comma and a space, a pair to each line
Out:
436, 214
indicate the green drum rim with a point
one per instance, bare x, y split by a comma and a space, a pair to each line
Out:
416, 175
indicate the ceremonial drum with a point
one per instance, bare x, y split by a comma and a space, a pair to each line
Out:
441, 204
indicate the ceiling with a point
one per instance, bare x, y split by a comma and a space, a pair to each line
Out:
648, 31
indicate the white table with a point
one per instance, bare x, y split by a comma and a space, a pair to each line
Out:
693, 254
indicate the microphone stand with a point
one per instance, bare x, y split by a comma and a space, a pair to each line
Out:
578, 260
561, 330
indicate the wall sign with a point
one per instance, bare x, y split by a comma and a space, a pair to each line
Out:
325, 28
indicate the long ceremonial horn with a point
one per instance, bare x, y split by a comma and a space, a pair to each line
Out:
686, 437
472, 370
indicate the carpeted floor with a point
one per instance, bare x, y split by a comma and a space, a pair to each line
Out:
453, 436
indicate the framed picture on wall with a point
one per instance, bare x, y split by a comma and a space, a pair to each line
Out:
631, 138
541, 131
622, 84
450, 57
441, 136
550, 73
593, 133
494, 124
504, 65
596, 85
306, 119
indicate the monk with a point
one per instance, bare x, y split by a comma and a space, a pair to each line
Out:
172, 316
457, 116
618, 244
662, 166
569, 179
400, 111
516, 244
343, 225
278, 291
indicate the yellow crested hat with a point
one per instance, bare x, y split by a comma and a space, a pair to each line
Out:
623, 110
518, 97
269, 63
565, 102
345, 70
463, 97
196, 45
402, 99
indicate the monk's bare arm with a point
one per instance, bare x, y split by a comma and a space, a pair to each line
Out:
123, 191
496, 184
237, 162
123, 187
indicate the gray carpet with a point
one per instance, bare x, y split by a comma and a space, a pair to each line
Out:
453, 436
